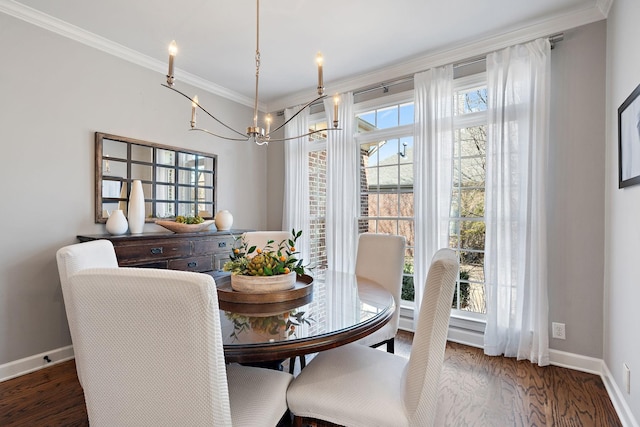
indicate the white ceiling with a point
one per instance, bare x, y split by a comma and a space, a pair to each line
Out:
216, 39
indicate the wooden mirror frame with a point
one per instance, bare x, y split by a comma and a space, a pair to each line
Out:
188, 187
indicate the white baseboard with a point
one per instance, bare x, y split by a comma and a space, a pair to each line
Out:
617, 399
35, 362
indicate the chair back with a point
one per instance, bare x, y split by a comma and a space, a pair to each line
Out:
422, 375
259, 239
151, 347
74, 258
380, 258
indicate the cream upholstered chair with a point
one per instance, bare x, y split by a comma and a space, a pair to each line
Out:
152, 354
74, 258
259, 239
356, 385
380, 257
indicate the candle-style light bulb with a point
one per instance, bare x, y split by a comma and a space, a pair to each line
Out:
268, 120
336, 101
173, 49
320, 61
194, 108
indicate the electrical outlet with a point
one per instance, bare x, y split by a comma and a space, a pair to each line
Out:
627, 377
557, 330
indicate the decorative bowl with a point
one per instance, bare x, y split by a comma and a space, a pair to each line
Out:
180, 227
261, 284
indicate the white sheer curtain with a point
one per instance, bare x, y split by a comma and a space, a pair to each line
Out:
342, 188
433, 163
295, 212
515, 207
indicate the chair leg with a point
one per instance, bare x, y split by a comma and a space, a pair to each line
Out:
292, 363
391, 346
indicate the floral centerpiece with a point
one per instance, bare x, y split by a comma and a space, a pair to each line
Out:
274, 266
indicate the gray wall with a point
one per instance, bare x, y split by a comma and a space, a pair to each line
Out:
54, 94
622, 286
576, 190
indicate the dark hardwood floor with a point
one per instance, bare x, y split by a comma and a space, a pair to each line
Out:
476, 390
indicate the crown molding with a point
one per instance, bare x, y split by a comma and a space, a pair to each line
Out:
604, 6
55, 25
453, 54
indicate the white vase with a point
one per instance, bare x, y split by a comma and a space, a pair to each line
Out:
223, 220
117, 223
136, 208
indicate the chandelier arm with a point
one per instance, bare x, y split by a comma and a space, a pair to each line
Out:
209, 114
306, 134
220, 136
298, 112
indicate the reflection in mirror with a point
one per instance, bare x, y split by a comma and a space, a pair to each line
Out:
174, 181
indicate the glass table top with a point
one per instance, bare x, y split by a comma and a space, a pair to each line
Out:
341, 308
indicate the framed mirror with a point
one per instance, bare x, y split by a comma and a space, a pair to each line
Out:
174, 181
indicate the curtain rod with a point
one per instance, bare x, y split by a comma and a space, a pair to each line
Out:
553, 39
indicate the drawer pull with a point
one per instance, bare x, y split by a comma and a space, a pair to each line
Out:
156, 251
192, 264
222, 244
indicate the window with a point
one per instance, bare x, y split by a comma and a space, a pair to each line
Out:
467, 226
384, 128
385, 138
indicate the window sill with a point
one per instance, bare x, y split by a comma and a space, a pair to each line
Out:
464, 327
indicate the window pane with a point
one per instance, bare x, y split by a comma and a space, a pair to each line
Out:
406, 204
470, 101
406, 114
472, 235
387, 117
388, 152
471, 203
386, 226
388, 177
406, 229
388, 205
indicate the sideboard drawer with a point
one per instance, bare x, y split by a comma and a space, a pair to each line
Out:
209, 246
199, 264
157, 250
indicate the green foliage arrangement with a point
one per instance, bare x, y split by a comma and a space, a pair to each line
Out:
266, 261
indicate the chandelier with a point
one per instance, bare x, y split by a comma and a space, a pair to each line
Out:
254, 132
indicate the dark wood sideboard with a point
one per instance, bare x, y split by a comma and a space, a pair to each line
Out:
200, 252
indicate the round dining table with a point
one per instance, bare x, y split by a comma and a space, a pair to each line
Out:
337, 309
